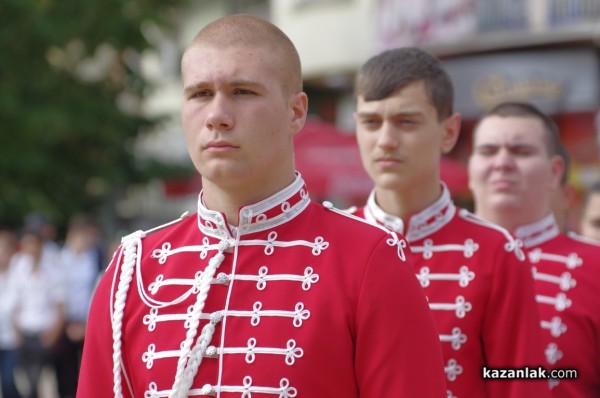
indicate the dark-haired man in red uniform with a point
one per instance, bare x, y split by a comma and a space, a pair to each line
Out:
473, 272
261, 293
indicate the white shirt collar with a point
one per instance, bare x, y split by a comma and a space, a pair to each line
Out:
537, 232
266, 214
420, 225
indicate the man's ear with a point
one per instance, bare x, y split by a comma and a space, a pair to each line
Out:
557, 168
298, 111
451, 132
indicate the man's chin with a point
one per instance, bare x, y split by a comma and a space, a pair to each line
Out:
224, 176
505, 200
392, 182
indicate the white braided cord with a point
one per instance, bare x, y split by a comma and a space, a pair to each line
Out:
127, 269
189, 361
196, 355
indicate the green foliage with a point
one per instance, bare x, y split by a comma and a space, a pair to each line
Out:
66, 144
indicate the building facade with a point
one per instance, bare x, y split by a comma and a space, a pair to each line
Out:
543, 51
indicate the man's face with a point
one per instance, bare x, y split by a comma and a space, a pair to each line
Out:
238, 122
510, 167
590, 220
401, 139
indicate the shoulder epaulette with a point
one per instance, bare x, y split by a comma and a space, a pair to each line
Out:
349, 213
582, 239
142, 234
512, 244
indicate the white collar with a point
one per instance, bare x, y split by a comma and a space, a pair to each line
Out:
266, 214
420, 225
538, 232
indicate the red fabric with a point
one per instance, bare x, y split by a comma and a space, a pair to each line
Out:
502, 325
579, 342
369, 333
329, 161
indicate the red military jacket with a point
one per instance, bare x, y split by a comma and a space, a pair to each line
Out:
566, 270
299, 300
481, 294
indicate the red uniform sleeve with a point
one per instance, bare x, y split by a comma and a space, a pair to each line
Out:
398, 351
96, 374
511, 331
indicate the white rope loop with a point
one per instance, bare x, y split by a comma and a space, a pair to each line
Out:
190, 360
129, 261
197, 354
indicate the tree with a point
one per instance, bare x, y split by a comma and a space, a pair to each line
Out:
70, 94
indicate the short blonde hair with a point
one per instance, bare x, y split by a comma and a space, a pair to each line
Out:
250, 31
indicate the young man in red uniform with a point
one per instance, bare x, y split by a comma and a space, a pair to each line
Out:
262, 293
513, 171
477, 283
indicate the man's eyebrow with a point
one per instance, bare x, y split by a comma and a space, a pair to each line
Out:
234, 83
521, 145
194, 87
515, 145
245, 83
486, 145
366, 114
397, 114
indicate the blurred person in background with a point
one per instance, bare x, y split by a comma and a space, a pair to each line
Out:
262, 292
514, 169
47, 230
590, 215
8, 302
563, 197
79, 271
474, 274
39, 313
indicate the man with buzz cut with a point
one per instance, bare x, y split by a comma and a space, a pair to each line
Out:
262, 292
474, 274
514, 169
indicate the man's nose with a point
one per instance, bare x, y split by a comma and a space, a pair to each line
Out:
504, 160
387, 138
220, 115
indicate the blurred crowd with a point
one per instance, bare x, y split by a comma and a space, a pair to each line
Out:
46, 288
45, 293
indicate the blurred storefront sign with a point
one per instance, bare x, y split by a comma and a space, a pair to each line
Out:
410, 22
329, 161
455, 175
557, 81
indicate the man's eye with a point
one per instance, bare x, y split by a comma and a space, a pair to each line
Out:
369, 122
407, 124
485, 151
243, 91
200, 94
523, 151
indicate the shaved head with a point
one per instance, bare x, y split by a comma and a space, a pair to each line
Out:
252, 32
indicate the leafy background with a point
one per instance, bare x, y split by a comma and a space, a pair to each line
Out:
70, 104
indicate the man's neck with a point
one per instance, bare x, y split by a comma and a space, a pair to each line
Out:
405, 202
